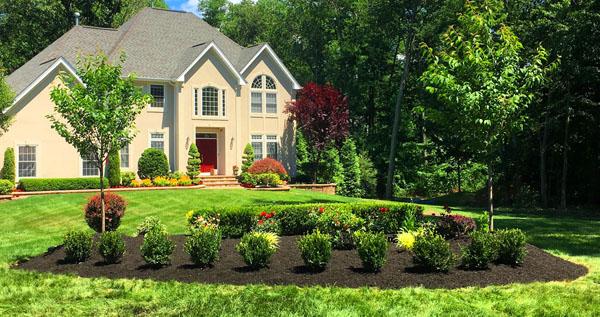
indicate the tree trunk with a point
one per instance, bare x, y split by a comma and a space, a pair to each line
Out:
394, 141
491, 197
103, 213
543, 174
563, 186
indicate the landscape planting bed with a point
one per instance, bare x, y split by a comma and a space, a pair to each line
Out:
344, 270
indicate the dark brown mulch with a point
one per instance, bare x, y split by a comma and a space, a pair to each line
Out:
344, 270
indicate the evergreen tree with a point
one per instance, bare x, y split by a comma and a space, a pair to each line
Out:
302, 158
114, 168
247, 158
351, 186
8, 169
193, 162
332, 170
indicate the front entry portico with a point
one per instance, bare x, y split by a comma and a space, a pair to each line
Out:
207, 145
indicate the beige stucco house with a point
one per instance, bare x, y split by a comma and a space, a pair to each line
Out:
207, 90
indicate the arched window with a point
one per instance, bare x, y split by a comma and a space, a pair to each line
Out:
263, 90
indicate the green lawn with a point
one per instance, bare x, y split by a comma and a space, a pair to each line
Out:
31, 225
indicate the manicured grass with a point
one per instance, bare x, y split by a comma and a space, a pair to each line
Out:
31, 225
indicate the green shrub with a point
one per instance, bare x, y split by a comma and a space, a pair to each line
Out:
351, 186
247, 158
127, 178
150, 223
267, 222
111, 246
6, 187
193, 162
483, 222
267, 179
49, 184
78, 246
8, 168
233, 223
315, 249
480, 252
511, 246
256, 248
153, 163
157, 248
114, 169
203, 245
341, 225
431, 252
247, 179
296, 221
372, 249
331, 170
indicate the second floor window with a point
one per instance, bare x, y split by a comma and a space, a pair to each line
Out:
158, 92
209, 101
263, 89
88, 166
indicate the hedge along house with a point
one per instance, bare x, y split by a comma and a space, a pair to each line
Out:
207, 90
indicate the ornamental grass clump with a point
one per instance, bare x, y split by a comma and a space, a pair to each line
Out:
372, 249
111, 246
482, 250
432, 253
315, 249
157, 248
256, 248
511, 246
78, 246
203, 245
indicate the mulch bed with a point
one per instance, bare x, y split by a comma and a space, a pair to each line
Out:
344, 270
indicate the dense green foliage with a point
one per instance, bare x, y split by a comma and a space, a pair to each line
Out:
203, 245
45, 184
6, 187
157, 248
111, 246
480, 252
247, 157
256, 248
78, 245
315, 249
432, 253
351, 186
511, 246
127, 178
149, 224
6, 98
114, 169
340, 224
193, 162
372, 249
153, 163
8, 166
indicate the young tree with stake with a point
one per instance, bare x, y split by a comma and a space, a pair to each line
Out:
97, 114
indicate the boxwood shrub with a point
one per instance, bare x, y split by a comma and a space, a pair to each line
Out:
111, 246
433, 253
511, 246
78, 245
6, 187
302, 218
315, 249
372, 249
46, 184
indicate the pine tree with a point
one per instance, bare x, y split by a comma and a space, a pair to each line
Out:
193, 162
114, 169
248, 158
351, 186
331, 168
8, 169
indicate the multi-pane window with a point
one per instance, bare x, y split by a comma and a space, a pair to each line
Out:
88, 166
210, 101
263, 89
158, 92
27, 161
272, 146
271, 103
196, 98
257, 146
157, 140
125, 156
256, 104
223, 102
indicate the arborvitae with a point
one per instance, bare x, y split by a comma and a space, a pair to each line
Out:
114, 169
8, 169
303, 172
331, 168
193, 162
247, 158
351, 186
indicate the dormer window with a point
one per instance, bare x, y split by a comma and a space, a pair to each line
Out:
158, 93
263, 95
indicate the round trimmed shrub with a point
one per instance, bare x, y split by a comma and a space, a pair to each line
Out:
256, 248
114, 206
480, 252
267, 179
153, 163
511, 246
111, 246
8, 168
315, 249
372, 249
433, 253
268, 165
157, 248
6, 187
78, 245
203, 245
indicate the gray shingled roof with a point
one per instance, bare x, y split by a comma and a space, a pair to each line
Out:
158, 43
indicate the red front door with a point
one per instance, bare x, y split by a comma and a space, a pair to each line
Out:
207, 145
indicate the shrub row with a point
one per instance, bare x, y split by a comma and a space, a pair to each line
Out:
46, 184
302, 218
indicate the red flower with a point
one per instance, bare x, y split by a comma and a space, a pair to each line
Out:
263, 214
260, 222
383, 209
321, 210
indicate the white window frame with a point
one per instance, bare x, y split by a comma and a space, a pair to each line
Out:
37, 160
272, 138
262, 144
197, 95
264, 91
81, 173
128, 146
152, 107
165, 138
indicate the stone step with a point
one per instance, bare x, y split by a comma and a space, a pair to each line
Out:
218, 180
222, 184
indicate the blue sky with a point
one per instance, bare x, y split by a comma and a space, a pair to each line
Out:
186, 5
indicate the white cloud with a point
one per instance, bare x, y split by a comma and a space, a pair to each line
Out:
190, 6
